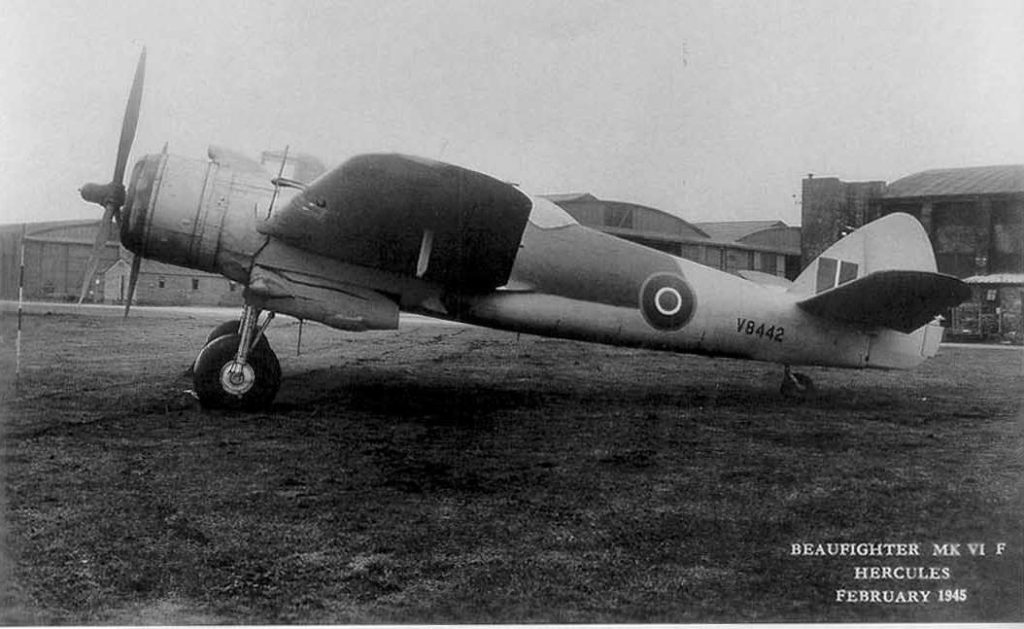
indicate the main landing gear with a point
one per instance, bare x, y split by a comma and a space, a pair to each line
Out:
796, 385
236, 368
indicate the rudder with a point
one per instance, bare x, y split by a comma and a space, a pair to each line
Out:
882, 278
894, 242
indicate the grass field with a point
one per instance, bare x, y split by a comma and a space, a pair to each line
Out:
451, 474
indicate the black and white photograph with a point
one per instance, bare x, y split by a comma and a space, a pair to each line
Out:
452, 312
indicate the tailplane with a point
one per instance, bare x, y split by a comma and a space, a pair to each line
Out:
899, 300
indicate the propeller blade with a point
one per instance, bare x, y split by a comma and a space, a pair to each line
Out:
111, 196
97, 250
133, 278
131, 119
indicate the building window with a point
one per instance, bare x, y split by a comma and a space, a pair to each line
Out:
618, 216
232, 287
738, 260
195, 283
713, 257
161, 282
691, 252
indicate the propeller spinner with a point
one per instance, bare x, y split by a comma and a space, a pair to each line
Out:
111, 196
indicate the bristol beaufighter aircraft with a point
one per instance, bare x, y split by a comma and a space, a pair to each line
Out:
385, 233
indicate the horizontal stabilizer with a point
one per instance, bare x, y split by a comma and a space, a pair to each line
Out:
901, 300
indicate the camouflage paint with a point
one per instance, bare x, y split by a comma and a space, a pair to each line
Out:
375, 211
573, 282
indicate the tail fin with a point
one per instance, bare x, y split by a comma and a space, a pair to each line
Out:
880, 276
893, 242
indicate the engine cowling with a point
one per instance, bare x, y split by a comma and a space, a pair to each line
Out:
197, 214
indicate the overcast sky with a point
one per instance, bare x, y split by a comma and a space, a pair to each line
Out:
709, 110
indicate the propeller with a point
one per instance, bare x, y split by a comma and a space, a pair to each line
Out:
111, 196
133, 278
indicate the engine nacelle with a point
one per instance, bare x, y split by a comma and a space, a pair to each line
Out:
196, 214
339, 305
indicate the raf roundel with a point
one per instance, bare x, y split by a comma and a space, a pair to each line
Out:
666, 301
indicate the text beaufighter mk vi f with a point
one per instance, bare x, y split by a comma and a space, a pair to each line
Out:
386, 233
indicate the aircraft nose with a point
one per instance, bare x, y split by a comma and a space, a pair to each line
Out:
136, 201
103, 193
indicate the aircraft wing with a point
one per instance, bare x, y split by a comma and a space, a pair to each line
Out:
410, 216
901, 300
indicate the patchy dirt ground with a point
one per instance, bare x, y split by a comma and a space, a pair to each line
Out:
451, 474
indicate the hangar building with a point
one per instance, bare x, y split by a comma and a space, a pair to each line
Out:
973, 216
766, 246
57, 254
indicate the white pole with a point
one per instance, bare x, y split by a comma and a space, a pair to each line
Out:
21, 299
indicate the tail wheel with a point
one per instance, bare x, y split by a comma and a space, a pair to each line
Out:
220, 382
797, 385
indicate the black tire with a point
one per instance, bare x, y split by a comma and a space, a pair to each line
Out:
206, 376
230, 327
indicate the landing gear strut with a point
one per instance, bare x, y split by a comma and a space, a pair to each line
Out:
796, 385
237, 368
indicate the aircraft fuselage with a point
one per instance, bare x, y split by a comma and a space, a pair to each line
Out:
574, 282
563, 279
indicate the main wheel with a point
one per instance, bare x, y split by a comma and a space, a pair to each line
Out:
228, 327
220, 382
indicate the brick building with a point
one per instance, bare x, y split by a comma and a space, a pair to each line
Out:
974, 218
162, 284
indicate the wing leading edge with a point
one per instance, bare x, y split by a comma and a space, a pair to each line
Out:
900, 300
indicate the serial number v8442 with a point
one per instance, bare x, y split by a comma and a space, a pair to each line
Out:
760, 330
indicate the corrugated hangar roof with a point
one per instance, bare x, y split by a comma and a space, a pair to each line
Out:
959, 181
733, 231
568, 199
1008, 279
